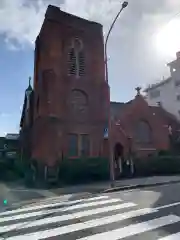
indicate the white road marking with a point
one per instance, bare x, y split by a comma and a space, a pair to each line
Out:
80, 226
41, 206
44, 212
71, 216
116, 234
132, 229
92, 204
175, 236
55, 219
168, 205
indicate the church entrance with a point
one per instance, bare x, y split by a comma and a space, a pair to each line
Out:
118, 160
122, 166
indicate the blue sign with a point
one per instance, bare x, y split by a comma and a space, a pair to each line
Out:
106, 133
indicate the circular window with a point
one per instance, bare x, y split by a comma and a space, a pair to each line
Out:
79, 103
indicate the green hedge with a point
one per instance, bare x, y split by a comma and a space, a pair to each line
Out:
160, 165
8, 171
83, 170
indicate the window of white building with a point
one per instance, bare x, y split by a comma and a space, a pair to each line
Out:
178, 97
154, 93
177, 83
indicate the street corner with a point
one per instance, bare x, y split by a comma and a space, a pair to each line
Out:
139, 185
120, 188
18, 198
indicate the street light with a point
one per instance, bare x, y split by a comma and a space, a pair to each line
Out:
124, 5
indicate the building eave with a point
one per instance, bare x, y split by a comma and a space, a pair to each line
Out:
56, 14
156, 85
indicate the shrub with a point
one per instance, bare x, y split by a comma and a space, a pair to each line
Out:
81, 170
160, 165
164, 153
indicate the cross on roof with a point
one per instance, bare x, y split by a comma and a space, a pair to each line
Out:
138, 89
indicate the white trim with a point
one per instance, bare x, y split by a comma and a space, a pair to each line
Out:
146, 149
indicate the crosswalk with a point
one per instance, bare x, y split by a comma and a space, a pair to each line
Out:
92, 218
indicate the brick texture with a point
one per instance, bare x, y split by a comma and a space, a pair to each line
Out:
54, 118
134, 112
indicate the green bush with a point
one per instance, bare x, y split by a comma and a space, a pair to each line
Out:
83, 170
10, 169
165, 153
160, 165
18, 168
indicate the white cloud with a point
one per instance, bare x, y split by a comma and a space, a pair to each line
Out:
130, 46
20, 20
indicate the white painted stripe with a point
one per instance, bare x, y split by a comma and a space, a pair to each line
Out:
78, 226
168, 205
82, 226
45, 211
72, 216
175, 236
92, 204
133, 229
41, 206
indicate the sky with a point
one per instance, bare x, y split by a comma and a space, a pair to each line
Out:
144, 39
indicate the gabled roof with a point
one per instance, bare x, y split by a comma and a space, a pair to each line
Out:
117, 108
29, 88
23, 111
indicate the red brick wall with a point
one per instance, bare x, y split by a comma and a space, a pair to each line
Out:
139, 110
54, 119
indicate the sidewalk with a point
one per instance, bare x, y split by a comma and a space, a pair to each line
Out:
123, 184
133, 183
17, 194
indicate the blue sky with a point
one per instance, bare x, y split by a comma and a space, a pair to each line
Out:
15, 67
134, 58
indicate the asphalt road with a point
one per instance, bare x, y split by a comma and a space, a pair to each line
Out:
150, 214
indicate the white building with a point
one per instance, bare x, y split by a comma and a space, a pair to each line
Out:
167, 92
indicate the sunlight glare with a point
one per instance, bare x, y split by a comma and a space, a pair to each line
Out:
168, 38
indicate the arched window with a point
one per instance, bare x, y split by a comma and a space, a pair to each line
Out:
76, 59
143, 132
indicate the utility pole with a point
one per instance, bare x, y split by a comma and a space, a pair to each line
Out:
112, 177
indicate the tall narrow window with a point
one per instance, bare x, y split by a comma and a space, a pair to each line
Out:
76, 59
72, 68
81, 62
85, 145
73, 145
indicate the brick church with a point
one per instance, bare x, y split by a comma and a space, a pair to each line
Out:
66, 111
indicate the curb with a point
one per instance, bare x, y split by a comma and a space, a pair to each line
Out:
129, 187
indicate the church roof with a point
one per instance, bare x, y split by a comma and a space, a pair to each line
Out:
117, 108
29, 88
54, 13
